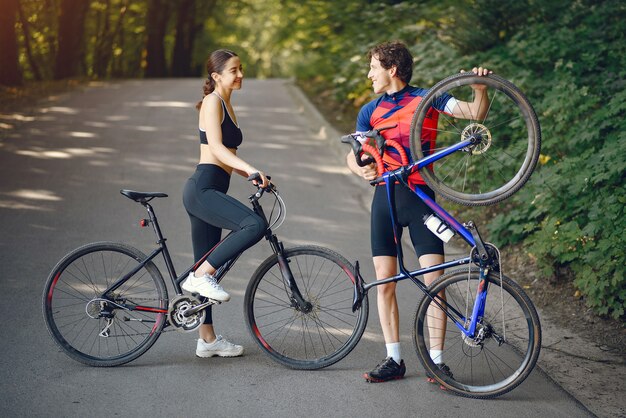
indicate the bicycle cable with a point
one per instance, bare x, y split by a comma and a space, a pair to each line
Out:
282, 211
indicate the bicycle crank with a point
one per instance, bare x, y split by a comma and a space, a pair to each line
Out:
182, 314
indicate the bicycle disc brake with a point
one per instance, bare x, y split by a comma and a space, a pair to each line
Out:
176, 313
480, 134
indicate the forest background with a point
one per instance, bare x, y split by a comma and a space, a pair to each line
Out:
569, 57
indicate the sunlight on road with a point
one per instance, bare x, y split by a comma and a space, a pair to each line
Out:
59, 109
34, 194
64, 153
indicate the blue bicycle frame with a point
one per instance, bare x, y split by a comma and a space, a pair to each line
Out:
469, 234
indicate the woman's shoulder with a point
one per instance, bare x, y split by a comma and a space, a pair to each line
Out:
211, 99
211, 103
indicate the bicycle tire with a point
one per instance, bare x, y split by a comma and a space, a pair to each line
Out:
299, 340
484, 370
496, 167
80, 277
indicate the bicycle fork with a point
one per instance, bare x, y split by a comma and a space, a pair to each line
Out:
295, 296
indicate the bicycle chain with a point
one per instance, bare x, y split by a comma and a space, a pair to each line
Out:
163, 330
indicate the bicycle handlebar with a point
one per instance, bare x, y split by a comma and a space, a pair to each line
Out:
357, 139
260, 190
359, 147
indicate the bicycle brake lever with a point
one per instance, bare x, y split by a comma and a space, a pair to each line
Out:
376, 136
357, 149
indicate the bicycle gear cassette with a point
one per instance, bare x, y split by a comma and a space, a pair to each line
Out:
177, 310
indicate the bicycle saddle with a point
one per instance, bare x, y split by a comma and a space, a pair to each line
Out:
141, 196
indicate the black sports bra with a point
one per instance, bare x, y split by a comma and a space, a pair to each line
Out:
231, 134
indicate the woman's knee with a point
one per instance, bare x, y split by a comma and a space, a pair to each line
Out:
255, 227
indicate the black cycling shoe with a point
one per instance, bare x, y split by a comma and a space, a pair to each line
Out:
385, 371
445, 369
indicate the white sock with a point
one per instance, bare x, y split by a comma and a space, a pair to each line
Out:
436, 356
393, 351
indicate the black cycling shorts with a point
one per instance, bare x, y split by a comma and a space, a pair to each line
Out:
410, 213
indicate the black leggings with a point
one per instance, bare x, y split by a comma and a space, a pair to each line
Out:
210, 210
410, 212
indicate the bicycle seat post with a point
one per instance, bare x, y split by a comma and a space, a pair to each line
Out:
154, 222
160, 239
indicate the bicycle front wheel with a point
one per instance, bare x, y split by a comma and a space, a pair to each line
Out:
505, 147
311, 338
507, 341
97, 329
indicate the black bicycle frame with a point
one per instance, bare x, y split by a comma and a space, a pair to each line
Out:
275, 244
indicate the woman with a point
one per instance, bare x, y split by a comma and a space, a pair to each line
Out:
209, 207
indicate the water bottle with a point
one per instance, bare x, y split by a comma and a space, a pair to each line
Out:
438, 227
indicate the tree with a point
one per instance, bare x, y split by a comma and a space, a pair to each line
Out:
156, 28
106, 36
10, 72
187, 26
72, 15
27, 39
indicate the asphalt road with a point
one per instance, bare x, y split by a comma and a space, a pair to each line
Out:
62, 165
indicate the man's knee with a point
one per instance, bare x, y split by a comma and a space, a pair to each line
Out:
386, 291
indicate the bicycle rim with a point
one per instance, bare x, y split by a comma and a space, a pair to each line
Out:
508, 147
305, 340
481, 369
75, 316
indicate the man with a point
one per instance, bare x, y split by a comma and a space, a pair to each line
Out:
391, 69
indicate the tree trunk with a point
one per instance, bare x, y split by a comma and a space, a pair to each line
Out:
10, 72
69, 56
104, 43
29, 51
190, 16
156, 26
183, 45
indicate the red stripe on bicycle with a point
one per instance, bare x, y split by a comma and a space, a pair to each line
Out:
148, 309
54, 283
349, 273
256, 331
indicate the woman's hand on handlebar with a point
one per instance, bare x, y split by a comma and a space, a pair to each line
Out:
259, 178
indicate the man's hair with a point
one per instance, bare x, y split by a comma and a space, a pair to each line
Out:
396, 54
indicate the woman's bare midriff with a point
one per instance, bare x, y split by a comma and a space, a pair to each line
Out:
206, 157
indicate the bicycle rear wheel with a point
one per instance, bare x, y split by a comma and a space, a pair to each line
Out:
305, 340
507, 147
483, 367
95, 330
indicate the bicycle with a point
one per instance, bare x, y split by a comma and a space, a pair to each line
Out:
491, 339
106, 303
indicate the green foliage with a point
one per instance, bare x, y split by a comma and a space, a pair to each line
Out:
571, 215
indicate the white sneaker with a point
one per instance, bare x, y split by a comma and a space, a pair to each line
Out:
206, 286
220, 347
